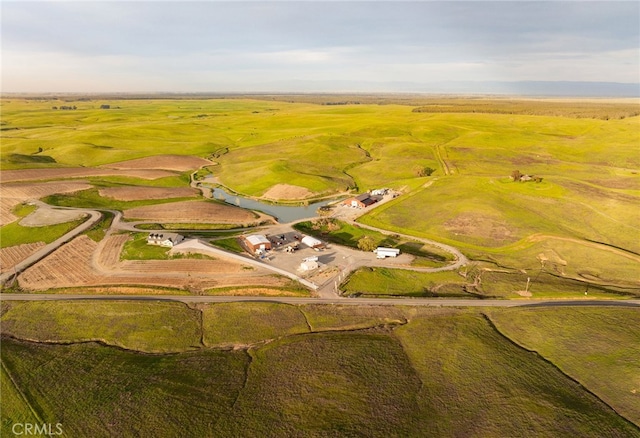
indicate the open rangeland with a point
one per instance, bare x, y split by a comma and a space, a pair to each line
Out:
571, 215
320, 370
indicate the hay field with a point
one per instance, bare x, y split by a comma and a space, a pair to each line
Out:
131, 193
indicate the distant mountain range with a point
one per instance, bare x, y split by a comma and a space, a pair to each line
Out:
522, 88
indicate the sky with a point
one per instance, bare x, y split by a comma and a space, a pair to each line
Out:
215, 46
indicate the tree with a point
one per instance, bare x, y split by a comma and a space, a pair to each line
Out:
366, 243
425, 171
516, 175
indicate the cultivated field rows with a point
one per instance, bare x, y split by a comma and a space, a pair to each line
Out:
83, 262
12, 255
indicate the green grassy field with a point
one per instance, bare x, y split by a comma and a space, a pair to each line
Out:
398, 282
597, 347
584, 151
263, 369
15, 234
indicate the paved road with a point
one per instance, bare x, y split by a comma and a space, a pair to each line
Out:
434, 302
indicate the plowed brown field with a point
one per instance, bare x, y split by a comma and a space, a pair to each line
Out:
138, 193
12, 255
72, 266
179, 163
191, 212
80, 172
287, 192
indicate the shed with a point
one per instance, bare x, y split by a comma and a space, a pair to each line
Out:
312, 242
308, 265
383, 252
256, 242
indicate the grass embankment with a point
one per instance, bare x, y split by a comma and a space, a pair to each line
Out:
187, 226
422, 371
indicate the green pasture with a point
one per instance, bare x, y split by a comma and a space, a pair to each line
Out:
267, 369
148, 327
587, 344
585, 152
477, 382
368, 282
95, 390
15, 409
226, 324
15, 234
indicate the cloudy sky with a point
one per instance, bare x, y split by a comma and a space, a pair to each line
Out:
171, 46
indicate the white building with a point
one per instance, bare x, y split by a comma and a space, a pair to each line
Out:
312, 242
383, 252
308, 265
164, 239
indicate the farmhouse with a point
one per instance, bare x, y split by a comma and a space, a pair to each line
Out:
164, 239
383, 252
312, 242
361, 201
257, 242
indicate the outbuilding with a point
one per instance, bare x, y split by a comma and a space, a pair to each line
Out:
382, 252
164, 239
361, 201
312, 242
257, 242
308, 265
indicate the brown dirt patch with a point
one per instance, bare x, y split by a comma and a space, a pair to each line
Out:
139, 193
492, 231
191, 212
43, 217
287, 192
80, 172
13, 255
629, 183
14, 194
178, 163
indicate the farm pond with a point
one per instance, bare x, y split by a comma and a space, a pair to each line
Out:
283, 213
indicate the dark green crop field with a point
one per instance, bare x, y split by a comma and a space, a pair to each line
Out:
163, 369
